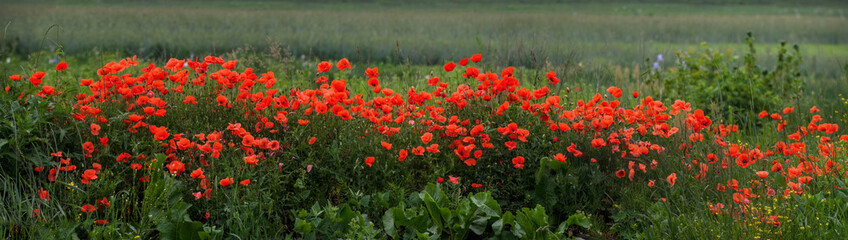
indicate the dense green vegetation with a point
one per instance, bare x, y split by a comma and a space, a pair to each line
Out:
514, 34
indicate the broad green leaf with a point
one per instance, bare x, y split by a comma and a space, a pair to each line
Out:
433, 209
479, 225
389, 222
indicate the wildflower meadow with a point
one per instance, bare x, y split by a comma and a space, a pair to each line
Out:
704, 143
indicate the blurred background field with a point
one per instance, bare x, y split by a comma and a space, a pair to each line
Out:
620, 33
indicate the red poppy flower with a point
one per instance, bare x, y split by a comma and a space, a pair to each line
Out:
559, 157
159, 133
744, 160
402, 155
387, 146
311, 140
43, 194
433, 148
762, 174
184, 144
95, 129
541, 92
190, 100
324, 66
252, 160
344, 63
619, 173
197, 173
135, 117
45, 91
763, 114
672, 178
103, 202
776, 167
598, 142
510, 145
88, 208
471, 72
245, 182
321, 79
226, 182
222, 100
518, 162
450, 66
418, 150
614, 91
454, 180
88, 147
463, 62
101, 221
426, 137
229, 65
373, 82
433, 81
476, 57
369, 161
135, 166
338, 85
372, 72
175, 167
61, 66
788, 110
35, 79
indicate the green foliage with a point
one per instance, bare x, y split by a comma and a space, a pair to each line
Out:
165, 208
730, 87
332, 222
30, 129
431, 215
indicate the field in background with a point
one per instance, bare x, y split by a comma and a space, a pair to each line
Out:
513, 34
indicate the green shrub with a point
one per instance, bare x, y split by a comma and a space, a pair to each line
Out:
730, 87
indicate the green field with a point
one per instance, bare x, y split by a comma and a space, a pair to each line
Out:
423, 120
513, 34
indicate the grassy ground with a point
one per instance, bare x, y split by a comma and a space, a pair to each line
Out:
307, 188
328, 188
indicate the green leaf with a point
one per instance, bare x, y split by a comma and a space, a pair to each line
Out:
579, 220
302, 226
498, 226
506, 219
479, 225
389, 222
433, 209
575, 219
346, 214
